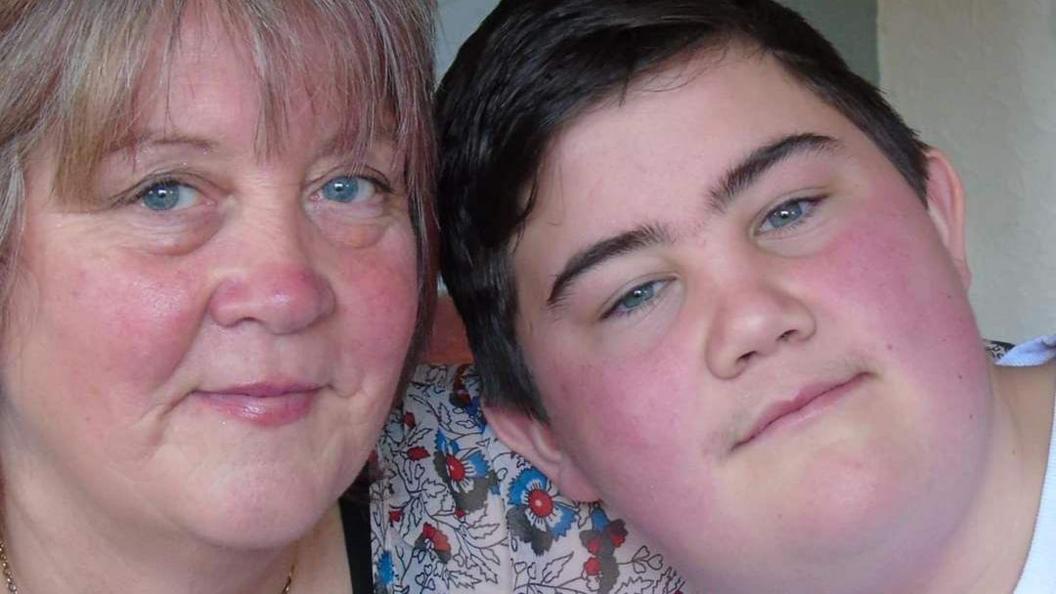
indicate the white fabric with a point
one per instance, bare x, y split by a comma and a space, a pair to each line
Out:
1039, 573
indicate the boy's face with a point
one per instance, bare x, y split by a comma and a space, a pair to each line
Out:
751, 337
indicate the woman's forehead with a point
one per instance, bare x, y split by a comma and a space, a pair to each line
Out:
211, 73
208, 88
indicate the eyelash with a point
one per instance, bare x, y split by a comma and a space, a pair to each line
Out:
615, 311
808, 213
379, 180
658, 286
137, 193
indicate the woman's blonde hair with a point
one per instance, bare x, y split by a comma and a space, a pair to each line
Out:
70, 69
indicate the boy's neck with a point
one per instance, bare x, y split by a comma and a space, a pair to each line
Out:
987, 556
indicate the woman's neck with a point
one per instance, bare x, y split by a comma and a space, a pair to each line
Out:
58, 542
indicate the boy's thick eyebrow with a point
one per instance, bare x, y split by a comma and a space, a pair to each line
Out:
742, 175
735, 181
596, 253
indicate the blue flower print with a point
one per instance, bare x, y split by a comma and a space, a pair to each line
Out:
386, 574
466, 473
535, 515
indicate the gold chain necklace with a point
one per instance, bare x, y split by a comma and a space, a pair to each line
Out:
12, 587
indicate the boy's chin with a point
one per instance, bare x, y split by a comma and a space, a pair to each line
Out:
845, 512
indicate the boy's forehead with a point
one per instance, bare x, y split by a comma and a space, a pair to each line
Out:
690, 121
655, 159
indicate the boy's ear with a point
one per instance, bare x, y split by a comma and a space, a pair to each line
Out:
535, 440
946, 209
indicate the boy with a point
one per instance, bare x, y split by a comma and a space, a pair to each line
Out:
712, 278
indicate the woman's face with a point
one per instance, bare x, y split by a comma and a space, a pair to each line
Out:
213, 344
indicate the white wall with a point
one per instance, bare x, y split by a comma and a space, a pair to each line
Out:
849, 24
978, 78
457, 20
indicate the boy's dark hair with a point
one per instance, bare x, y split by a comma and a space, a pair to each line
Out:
531, 69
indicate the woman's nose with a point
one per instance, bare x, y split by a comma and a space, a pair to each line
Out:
274, 283
755, 320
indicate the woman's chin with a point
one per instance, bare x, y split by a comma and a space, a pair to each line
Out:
246, 486
257, 516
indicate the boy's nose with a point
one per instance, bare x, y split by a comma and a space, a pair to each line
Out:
753, 322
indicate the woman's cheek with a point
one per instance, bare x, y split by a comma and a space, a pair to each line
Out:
377, 297
133, 321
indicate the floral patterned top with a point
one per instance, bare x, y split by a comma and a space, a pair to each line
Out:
455, 511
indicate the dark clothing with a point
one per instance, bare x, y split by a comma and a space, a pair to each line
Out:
355, 519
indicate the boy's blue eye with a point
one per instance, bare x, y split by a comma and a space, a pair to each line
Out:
788, 214
348, 188
636, 298
167, 196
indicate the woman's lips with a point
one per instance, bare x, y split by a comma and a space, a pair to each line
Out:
268, 404
806, 404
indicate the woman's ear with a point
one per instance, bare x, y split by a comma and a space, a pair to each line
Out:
945, 201
536, 441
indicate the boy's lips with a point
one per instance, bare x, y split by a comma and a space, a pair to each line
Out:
808, 401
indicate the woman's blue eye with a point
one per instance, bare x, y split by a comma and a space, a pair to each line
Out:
168, 195
348, 188
635, 299
788, 213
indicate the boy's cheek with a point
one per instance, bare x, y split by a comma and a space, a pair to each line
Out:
637, 431
623, 400
650, 426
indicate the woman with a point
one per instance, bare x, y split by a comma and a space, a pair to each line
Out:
213, 264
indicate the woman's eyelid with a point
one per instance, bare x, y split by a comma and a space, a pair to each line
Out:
135, 194
352, 170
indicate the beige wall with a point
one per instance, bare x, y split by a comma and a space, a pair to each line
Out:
978, 79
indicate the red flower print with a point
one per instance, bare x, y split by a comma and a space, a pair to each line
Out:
592, 566
540, 503
594, 545
455, 468
438, 538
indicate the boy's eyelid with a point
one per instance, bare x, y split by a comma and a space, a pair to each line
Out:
589, 297
813, 197
603, 253
608, 309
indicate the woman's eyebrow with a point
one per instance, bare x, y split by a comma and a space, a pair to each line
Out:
594, 254
148, 140
745, 173
382, 140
